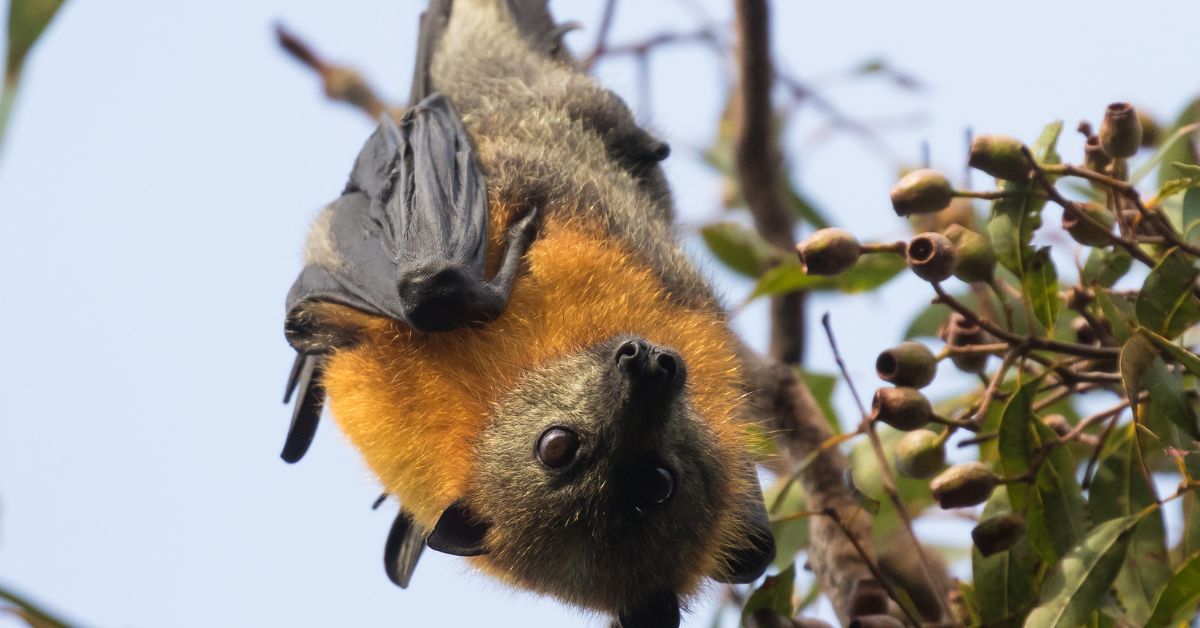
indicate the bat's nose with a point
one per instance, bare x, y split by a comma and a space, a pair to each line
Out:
650, 366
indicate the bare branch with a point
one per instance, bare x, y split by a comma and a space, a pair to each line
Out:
341, 83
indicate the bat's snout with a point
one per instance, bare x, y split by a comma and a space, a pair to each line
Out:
652, 370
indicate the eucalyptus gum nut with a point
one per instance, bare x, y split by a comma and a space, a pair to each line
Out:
1094, 158
975, 259
997, 534
919, 454
931, 256
999, 156
922, 192
1084, 232
902, 407
960, 332
907, 364
1121, 131
967, 484
829, 252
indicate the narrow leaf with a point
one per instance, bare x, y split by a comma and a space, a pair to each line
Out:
1014, 219
1191, 216
869, 273
1178, 600
738, 247
1136, 357
1006, 583
1040, 281
1189, 360
1076, 584
1105, 266
1167, 303
774, 593
1119, 490
1168, 147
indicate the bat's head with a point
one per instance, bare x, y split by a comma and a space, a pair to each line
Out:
599, 482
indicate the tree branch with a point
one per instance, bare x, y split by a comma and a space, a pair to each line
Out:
341, 83
759, 166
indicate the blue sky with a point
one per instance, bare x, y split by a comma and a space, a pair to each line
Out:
160, 170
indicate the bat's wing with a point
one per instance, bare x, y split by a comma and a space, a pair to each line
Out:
405, 542
407, 240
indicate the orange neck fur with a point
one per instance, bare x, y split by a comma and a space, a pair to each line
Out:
415, 404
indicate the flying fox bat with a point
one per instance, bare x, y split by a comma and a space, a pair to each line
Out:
506, 327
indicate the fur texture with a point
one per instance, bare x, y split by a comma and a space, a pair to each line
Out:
443, 417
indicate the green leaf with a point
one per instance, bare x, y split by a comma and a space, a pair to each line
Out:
1189, 360
1179, 150
1119, 312
869, 273
1167, 303
804, 207
1006, 583
869, 478
1105, 266
1169, 401
1014, 219
1167, 148
774, 593
1178, 600
33, 614
1040, 281
1119, 490
27, 20
1053, 505
791, 534
739, 247
1137, 354
1075, 585
1016, 448
821, 385
1191, 216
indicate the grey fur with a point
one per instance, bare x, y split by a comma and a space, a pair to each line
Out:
547, 133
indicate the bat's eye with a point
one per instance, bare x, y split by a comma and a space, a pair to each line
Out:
657, 487
556, 447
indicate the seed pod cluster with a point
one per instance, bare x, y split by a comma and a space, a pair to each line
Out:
909, 366
829, 252
922, 191
958, 331
962, 485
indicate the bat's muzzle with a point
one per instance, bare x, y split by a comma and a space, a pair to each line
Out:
655, 374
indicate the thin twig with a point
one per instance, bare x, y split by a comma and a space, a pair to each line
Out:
341, 83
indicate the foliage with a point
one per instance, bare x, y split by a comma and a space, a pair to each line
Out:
1098, 388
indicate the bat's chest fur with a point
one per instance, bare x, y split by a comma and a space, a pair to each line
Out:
416, 404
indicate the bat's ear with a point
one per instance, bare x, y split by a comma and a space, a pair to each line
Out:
315, 327
660, 610
748, 561
459, 531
